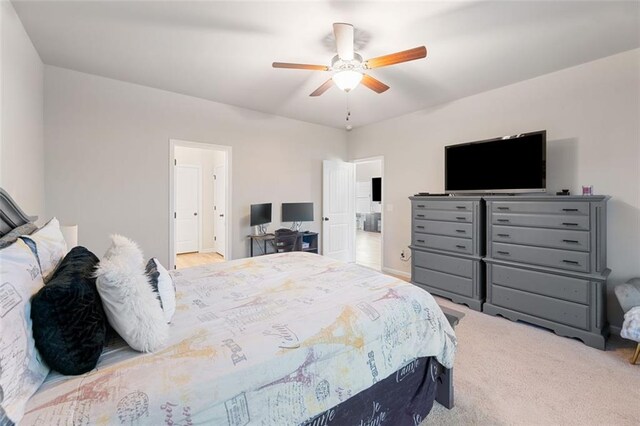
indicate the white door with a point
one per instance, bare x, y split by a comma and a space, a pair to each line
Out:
219, 203
338, 210
187, 208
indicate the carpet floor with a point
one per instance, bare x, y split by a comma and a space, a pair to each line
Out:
510, 373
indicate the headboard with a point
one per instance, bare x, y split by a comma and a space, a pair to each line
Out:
11, 216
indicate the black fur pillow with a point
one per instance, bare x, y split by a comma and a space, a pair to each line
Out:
69, 324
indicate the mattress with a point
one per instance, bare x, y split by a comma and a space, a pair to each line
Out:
272, 340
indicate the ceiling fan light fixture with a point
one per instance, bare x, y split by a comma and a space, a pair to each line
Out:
347, 80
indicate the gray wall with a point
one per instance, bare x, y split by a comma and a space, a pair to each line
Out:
591, 114
21, 116
107, 157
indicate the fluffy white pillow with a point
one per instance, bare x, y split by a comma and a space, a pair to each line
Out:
162, 283
129, 302
50, 247
22, 371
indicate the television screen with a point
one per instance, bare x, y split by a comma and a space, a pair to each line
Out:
260, 214
513, 164
297, 212
376, 189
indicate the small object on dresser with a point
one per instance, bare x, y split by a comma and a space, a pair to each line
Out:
587, 190
563, 192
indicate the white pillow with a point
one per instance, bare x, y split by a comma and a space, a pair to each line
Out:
22, 371
162, 283
129, 302
50, 247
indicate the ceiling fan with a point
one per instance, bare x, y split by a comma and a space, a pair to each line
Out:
349, 67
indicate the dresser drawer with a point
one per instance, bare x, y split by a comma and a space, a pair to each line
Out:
458, 206
541, 220
442, 263
463, 230
570, 289
446, 215
555, 238
562, 259
548, 207
447, 282
568, 313
438, 242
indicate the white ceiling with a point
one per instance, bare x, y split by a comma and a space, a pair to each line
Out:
223, 51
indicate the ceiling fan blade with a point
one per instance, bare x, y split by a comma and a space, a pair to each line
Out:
374, 84
344, 40
396, 58
325, 86
300, 66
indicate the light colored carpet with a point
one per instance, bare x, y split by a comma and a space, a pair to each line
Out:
508, 373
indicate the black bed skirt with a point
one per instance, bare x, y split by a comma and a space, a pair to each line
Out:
404, 398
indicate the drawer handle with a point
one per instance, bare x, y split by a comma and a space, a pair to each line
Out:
420, 241
461, 207
506, 253
503, 235
570, 210
503, 220
571, 262
460, 246
571, 241
461, 231
461, 218
503, 208
421, 206
420, 227
569, 224
420, 215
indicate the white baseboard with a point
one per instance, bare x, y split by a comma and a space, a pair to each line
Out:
207, 250
391, 271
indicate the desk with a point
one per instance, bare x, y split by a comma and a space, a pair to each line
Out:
263, 242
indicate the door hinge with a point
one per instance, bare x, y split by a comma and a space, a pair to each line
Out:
215, 238
175, 162
215, 177
215, 208
175, 216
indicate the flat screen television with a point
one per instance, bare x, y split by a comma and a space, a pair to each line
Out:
510, 164
376, 189
297, 212
260, 214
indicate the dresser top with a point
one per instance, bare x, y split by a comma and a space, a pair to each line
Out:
547, 197
517, 197
447, 198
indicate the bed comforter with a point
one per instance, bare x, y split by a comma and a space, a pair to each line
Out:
273, 340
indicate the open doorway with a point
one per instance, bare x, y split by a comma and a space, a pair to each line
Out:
199, 201
369, 179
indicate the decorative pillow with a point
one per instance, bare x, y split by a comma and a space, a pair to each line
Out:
10, 237
162, 284
21, 369
50, 247
69, 325
129, 302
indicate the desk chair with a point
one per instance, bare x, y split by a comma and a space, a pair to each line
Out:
285, 240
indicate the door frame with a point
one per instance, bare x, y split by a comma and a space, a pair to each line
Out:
199, 170
382, 202
216, 248
173, 143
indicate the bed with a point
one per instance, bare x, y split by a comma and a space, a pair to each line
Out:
292, 338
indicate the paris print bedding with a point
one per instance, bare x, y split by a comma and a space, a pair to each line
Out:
272, 340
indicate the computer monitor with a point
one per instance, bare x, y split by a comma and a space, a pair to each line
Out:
260, 214
297, 212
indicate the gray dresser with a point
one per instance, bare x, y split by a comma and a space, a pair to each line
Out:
447, 244
546, 263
